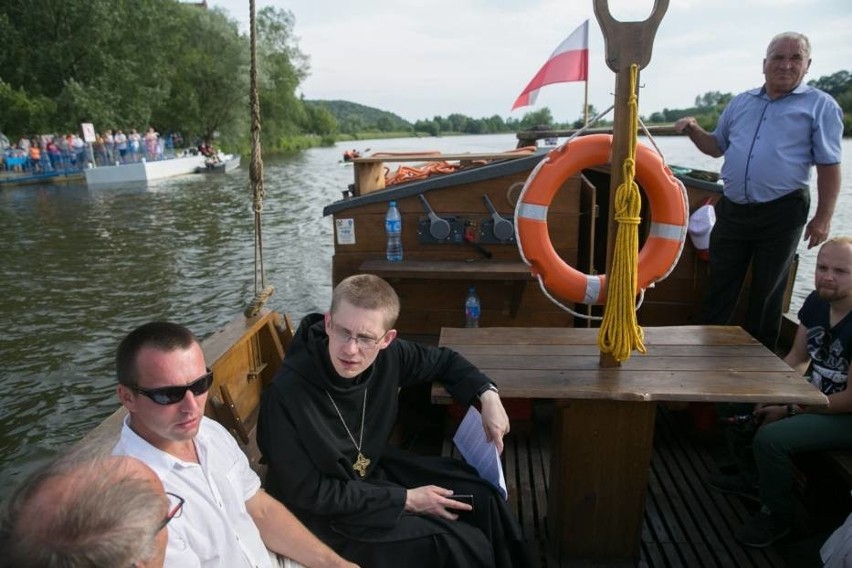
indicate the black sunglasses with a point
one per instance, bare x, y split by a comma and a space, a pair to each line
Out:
173, 395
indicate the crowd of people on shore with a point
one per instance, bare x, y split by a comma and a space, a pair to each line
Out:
58, 152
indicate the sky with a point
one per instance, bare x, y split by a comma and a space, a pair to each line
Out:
425, 58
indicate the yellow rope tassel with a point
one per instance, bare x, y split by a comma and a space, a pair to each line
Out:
620, 333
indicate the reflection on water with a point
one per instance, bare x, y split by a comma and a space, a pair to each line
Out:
81, 267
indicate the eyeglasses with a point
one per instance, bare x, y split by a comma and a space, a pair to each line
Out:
175, 509
173, 395
364, 343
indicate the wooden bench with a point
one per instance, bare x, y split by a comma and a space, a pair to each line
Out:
685, 523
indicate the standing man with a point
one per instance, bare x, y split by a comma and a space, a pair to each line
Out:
324, 427
823, 346
103, 512
770, 137
228, 520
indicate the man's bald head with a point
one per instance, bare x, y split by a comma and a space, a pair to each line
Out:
99, 512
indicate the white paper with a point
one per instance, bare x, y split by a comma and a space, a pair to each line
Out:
345, 231
478, 451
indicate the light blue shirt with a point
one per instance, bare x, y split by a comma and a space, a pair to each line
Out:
770, 145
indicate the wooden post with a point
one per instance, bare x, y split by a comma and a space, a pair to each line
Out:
627, 43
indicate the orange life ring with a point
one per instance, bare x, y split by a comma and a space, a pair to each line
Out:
662, 248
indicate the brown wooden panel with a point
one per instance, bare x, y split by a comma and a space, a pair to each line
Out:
681, 335
440, 157
672, 351
750, 373
597, 509
369, 231
454, 270
520, 360
248, 363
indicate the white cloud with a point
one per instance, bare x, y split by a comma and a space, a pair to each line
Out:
420, 58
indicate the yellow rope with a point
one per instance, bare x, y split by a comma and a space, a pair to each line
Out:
620, 333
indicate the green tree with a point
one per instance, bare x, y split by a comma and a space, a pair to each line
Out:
835, 85
709, 99
284, 68
427, 126
320, 120
839, 86
22, 115
208, 85
541, 118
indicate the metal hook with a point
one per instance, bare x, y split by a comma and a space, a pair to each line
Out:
629, 42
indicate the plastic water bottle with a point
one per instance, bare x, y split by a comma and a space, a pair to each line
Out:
393, 227
471, 309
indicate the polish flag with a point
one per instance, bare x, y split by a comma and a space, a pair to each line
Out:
569, 62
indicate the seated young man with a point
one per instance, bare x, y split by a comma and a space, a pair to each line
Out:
823, 346
324, 426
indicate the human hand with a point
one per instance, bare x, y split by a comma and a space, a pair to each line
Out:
816, 231
685, 124
434, 500
769, 413
495, 421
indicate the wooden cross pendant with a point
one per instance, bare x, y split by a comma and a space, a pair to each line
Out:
361, 464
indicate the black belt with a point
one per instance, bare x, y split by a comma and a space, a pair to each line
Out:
786, 197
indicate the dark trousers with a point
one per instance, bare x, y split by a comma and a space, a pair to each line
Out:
765, 236
764, 455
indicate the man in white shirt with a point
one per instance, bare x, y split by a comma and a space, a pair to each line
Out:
228, 521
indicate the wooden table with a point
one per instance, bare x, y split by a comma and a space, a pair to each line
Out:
603, 422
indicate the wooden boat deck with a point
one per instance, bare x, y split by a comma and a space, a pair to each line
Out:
685, 523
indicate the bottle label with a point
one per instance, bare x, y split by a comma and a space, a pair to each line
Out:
393, 225
471, 312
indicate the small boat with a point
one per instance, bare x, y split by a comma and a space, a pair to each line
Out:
458, 230
143, 171
220, 164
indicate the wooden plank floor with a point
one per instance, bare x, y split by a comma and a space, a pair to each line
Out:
685, 525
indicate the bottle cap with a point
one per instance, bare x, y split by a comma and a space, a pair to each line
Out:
392, 204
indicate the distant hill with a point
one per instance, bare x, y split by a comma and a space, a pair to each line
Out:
353, 118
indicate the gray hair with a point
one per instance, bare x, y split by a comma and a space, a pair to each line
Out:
72, 514
795, 36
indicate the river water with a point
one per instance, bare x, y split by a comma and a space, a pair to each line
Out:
81, 267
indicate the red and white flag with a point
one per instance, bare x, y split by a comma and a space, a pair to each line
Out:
569, 62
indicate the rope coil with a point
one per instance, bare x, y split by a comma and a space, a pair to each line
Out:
620, 333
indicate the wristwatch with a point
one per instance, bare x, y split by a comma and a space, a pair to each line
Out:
488, 387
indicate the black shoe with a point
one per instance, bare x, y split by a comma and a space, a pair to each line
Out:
762, 530
734, 485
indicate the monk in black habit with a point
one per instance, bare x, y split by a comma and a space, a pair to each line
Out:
324, 426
